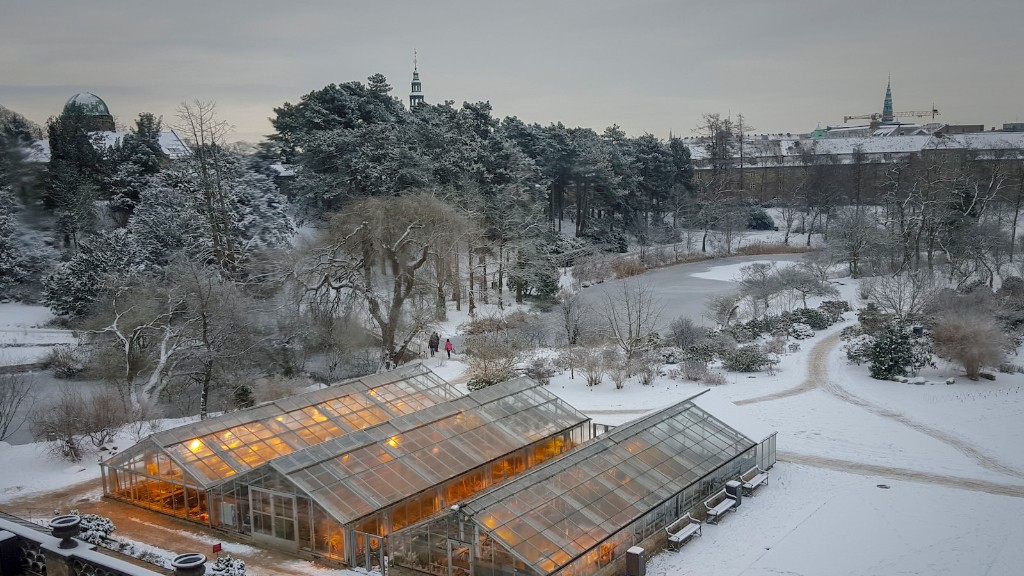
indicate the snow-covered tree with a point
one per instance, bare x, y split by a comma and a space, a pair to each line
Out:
74, 285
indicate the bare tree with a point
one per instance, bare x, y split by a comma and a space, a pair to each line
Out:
199, 123
573, 313
372, 257
61, 422
15, 393
905, 294
632, 315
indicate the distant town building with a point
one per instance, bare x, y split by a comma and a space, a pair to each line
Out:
103, 133
416, 95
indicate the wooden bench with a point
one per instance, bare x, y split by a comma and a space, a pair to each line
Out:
719, 505
682, 530
753, 478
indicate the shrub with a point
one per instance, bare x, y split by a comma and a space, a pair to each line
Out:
95, 529
801, 331
712, 378
683, 332
66, 361
226, 566
969, 339
746, 359
794, 347
834, 309
540, 369
647, 367
770, 324
625, 267
703, 353
813, 318
740, 333
777, 345
758, 219
671, 354
694, 371
891, 353
858, 348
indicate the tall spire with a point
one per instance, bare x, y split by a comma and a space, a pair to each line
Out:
887, 117
416, 96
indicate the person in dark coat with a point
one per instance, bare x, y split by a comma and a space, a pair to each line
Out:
433, 343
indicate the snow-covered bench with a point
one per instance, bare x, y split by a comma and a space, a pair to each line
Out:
719, 505
753, 478
682, 530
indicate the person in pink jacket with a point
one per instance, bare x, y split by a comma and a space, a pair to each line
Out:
448, 346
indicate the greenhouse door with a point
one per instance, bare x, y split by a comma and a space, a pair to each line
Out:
273, 515
369, 551
460, 558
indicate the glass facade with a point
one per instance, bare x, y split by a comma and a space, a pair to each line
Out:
580, 512
506, 480
387, 454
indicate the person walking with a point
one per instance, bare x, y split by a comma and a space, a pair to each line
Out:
433, 343
448, 346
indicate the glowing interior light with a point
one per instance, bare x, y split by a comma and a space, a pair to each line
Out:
195, 445
393, 441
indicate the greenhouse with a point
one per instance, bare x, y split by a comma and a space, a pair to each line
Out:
334, 472
577, 514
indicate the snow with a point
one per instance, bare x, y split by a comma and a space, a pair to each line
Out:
23, 339
874, 477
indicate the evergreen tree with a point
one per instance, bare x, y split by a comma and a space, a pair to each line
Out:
892, 353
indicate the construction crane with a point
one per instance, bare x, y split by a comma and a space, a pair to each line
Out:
876, 117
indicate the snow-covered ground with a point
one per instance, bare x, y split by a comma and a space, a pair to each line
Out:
874, 477
24, 339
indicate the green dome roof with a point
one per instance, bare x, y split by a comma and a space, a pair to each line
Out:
90, 103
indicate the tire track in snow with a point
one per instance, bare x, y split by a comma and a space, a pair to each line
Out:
816, 364
817, 378
1016, 491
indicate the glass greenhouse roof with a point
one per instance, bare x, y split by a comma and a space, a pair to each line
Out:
555, 513
218, 448
359, 473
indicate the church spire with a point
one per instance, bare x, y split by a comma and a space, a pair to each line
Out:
887, 117
416, 96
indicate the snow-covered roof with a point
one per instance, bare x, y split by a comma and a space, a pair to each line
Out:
171, 144
874, 148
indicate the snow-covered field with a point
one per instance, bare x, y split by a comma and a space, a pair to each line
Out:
874, 477
24, 339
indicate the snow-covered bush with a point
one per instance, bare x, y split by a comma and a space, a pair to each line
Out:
896, 351
813, 318
770, 324
694, 371
226, 566
858, 348
616, 366
777, 345
746, 359
834, 309
671, 354
801, 331
592, 366
540, 369
646, 367
712, 378
703, 352
95, 529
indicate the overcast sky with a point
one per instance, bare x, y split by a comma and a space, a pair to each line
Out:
648, 66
